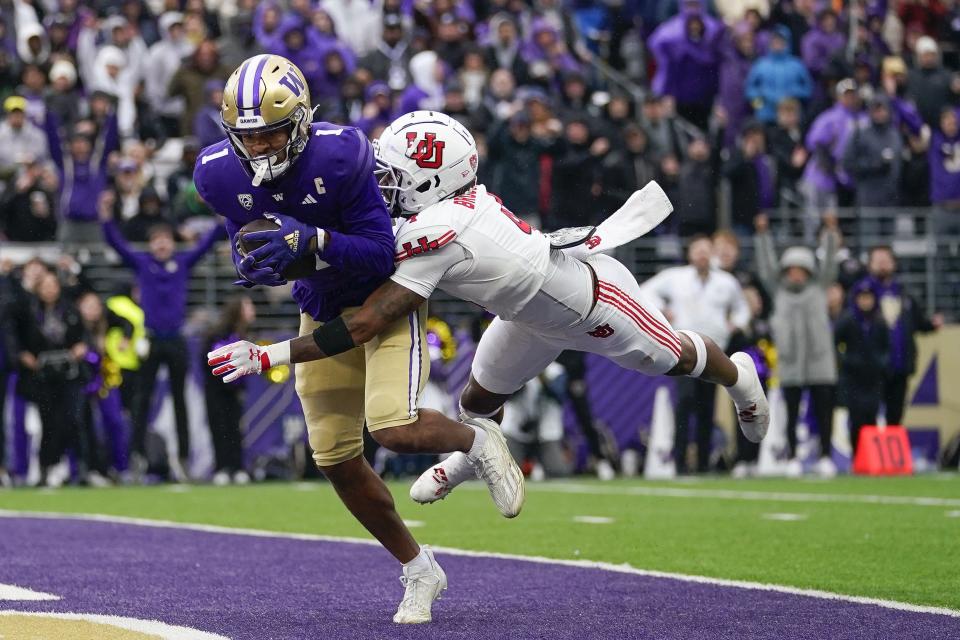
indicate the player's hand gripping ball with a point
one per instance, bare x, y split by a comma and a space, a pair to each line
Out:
279, 245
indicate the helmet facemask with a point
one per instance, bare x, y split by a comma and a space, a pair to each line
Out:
269, 167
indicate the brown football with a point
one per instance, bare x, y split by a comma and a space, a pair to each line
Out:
302, 268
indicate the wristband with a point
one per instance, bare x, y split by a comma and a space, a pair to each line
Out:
333, 338
274, 355
321, 239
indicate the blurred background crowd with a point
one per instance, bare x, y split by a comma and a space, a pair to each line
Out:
805, 144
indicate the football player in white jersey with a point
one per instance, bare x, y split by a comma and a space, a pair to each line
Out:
456, 236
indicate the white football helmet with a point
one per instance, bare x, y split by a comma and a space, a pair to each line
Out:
422, 158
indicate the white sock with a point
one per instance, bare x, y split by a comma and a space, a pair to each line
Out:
420, 564
479, 438
740, 389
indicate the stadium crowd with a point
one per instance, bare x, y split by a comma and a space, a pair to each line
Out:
575, 105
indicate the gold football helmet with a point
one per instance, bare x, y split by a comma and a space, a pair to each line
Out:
264, 94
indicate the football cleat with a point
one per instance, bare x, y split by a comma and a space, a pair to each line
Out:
496, 466
438, 481
421, 589
753, 414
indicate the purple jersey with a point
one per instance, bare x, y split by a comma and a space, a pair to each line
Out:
330, 186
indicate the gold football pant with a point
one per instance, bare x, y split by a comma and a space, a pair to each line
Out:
379, 383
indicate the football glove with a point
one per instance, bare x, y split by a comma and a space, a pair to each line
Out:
291, 241
253, 274
244, 358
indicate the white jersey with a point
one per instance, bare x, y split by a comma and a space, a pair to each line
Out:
474, 248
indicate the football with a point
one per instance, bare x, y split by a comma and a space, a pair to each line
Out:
302, 268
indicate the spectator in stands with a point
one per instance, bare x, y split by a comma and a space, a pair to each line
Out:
930, 85
514, 162
785, 145
503, 52
225, 401
627, 169
474, 76
28, 211
33, 45
669, 135
49, 337
501, 99
389, 61
546, 54
163, 60
753, 178
206, 125
183, 174
826, 141
863, 347
801, 330
738, 55
190, 79
944, 158
775, 76
695, 196
359, 24
873, 158
19, 138
162, 275
690, 62
83, 169
152, 211
905, 318
577, 182
426, 92
238, 41
62, 98
704, 299
822, 43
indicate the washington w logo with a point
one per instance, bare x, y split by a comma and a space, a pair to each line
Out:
429, 152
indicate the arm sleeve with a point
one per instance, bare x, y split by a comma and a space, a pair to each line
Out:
739, 309
116, 240
366, 243
766, 259
193, 256
828, 270
421, 274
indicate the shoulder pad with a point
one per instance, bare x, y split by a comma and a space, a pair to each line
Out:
420, 234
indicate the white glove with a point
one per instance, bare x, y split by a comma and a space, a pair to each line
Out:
243, 358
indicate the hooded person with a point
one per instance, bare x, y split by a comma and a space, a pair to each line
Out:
930, 85
238, 42
863, 347
109, 76
503, 52
163, 60
825, 142
822, 43
389, 61
62, 98
674, 30
874, 158
801, 329
738, 54
426, 91
33, 46
545, 53
777, 75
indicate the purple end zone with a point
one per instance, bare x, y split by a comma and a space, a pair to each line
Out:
247, 587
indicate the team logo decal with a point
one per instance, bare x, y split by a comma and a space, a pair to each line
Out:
278, 197
602, 331
593, 242
473, 162
428, 152
246, 200
293, 240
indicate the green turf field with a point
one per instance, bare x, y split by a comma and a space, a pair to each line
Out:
833, 535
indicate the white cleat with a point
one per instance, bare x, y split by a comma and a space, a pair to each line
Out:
605, 471
438, 481
421, 590
826, 468
753, 414
498, 469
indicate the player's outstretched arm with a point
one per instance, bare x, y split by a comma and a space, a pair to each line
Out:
390, 302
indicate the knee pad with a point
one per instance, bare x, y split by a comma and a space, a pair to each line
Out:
701, 348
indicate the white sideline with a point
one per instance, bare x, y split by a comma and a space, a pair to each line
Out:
583, 564
13, 592
150, 627
728, 494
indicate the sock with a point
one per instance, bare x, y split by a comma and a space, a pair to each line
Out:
740, 389
479, 438
420, 564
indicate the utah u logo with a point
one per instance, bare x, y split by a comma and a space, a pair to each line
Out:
428, 153
602, 331
592, 242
